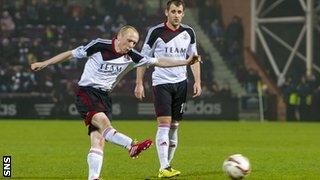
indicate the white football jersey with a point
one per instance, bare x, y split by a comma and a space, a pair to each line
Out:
164, 42
105, 67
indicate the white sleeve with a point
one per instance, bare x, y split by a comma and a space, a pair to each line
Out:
192, 49
147, 50
148, 45
79, 52
146, 61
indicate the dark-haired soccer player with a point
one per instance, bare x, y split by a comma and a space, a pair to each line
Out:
108, 61
175, 40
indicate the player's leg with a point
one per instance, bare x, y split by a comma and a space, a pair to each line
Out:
86, 103
173, 139
162, 140
102, 122
95, 155
162, 95
95, 108
93, 105
162, 104
178, 102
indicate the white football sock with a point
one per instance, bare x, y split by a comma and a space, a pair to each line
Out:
94, 159
111, 135
173, 142
162, 143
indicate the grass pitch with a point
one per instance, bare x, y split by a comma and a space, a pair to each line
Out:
51, 149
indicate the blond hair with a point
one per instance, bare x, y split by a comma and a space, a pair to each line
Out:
127, 27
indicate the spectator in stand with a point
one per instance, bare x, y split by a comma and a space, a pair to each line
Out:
61, 32
32, 12
205, 91
41, 32
124, 8
58, 7
214, 89
251, 81
217, 31
105, 27
316, 105
49, 34
46, 12
110, 6
20, 23
207, 13
76, 22
207, 74
36, 48
93, 18
119, 22
28, 82
290, 96
31, 58
140, 14
23, 52
221, 46
5, 78
226, 91
234, 56
7, 26
47, 84
16, 79
235, 31
8, 51
305, 99
59, 46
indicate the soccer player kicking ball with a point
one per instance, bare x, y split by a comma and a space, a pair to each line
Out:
169, 39
108, 61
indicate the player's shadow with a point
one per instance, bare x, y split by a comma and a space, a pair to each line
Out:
190, 175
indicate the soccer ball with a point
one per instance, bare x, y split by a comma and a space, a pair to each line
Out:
236, 166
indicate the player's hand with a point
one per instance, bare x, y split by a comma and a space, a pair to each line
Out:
197, 90
139, 91
194, 59
38, 66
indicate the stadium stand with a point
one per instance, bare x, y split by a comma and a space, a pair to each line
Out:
32, 31
35, 30
229, 40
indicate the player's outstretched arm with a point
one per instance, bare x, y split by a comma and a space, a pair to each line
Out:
56, 59
166, 62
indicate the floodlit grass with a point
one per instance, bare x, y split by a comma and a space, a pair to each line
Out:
50, 149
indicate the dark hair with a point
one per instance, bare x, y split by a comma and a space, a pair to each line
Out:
176, 3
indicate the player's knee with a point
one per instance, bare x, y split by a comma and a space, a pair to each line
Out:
164, 120
101, 121
174, 125
173, 143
